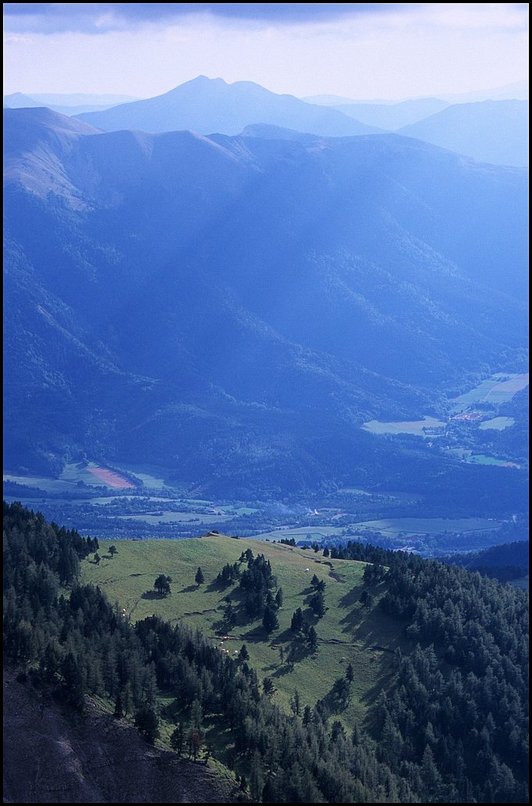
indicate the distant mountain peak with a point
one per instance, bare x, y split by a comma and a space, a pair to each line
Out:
209, 105
19, 100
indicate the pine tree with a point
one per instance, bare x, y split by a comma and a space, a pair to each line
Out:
147, 722
196, 714
312, 638
119, 708
177, 739
162, 585
195, 741
317, 604
297, 620
295, 703
256, 777
270, 621
200, 579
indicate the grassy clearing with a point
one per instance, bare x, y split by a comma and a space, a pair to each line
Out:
391, 527
500, 388
314, 533
347, 633
497, 423
165, 516
413, 526
40, 483
415, 427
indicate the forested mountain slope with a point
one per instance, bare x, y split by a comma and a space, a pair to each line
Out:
236, 307
451, 725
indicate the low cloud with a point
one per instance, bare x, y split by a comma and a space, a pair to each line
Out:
101, 17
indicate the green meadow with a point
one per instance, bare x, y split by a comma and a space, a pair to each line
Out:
348, 632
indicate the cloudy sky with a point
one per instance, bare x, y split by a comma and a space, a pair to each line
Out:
357, 50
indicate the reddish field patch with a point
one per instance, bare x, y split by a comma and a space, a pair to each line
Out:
110, 478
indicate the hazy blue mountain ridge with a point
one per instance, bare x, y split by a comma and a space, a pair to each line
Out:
488, 131
393, 116
211, 105
66, 104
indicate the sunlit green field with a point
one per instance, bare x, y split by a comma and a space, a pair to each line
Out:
347, 633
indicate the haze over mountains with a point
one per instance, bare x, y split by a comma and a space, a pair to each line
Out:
493, 131
488, 131
390, 116
236, 307
211, 105
67, 104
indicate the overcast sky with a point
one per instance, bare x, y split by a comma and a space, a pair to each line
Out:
357, 50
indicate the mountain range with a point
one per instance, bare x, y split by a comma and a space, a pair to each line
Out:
392, 116
211, 105
236, 307
493, 131
488, 131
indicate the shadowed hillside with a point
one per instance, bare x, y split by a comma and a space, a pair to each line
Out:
237, 307
54, 756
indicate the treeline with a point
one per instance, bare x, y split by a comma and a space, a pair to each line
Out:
457, 714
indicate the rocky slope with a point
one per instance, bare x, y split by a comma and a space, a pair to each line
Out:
51, 756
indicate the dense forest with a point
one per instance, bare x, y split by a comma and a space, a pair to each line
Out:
452, 727
506, 562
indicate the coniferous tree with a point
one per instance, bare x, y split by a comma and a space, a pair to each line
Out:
195, 741
162, 585
119, 707
177, 739
295, 703
297, 620
256, 777
317, 604
312, 638
270, 621
199, 578
147, 722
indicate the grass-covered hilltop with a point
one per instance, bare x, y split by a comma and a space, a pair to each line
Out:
293, 675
